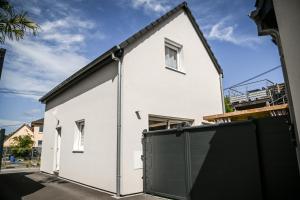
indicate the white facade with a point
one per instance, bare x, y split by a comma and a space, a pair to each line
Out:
149, 88
97, 106
289, 38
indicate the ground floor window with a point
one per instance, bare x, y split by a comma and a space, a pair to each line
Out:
40, 142
79, 136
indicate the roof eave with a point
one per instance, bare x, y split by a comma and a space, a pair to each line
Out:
77, 75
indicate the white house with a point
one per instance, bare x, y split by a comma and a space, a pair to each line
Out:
163, 75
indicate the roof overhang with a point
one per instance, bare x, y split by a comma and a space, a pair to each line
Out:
265, 18
99, 62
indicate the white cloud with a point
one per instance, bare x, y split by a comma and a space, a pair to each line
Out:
35, 10
64, 38
68, 31
223, 32
33, 112
39, 67
5, 122
39, 64
66, 23
150, 6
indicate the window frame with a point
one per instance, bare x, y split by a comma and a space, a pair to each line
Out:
41, 127
38, 143
178, 48
78, 146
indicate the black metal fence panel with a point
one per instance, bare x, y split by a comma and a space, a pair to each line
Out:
279, 168
167, 171
229, 161
228, 167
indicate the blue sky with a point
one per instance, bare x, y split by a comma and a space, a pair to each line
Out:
75, 32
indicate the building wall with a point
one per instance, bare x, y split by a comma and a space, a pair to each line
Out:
288, 20
94, 100
37, 135
150, 88
25, 130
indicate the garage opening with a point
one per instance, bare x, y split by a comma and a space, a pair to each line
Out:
158, 122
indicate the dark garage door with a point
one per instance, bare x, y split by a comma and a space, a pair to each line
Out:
230, 161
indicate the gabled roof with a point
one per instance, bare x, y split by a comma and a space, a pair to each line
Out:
106, 57
16, 131
39, 121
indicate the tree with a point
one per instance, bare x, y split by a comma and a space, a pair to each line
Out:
228, 106
13, 24
22, 145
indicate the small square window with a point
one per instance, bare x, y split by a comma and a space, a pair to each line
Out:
79, 136
172, 55
40, 142
41, 129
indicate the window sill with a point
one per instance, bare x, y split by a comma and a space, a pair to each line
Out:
175, 70
77, 151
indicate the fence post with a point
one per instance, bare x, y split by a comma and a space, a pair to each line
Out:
187, 147
2, 135
144, 158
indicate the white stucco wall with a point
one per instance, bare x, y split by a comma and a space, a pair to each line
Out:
150, 88
288, 19
95, 102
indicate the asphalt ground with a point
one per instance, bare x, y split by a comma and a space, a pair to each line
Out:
31, 184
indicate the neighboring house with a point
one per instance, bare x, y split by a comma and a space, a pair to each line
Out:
35, 131
162, 76
37, 128
281, 20
21, 131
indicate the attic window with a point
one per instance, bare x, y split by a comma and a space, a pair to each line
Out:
172, 55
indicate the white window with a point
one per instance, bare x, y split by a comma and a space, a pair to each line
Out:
172, 55
79, 136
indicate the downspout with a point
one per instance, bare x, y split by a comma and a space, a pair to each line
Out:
116, 55
222, 92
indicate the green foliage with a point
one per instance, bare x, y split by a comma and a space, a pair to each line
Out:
22, 145
14, 25
228, 106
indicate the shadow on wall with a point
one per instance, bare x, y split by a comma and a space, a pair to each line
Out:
252, 161
100, 75
255, 159
229, 167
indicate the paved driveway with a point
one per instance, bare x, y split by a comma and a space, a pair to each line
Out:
33, 185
